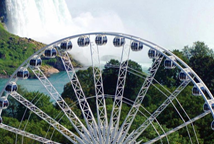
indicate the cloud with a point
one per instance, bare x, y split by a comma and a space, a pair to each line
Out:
107, 21
171, 24
84, 23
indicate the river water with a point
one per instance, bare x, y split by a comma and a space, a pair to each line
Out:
58, 81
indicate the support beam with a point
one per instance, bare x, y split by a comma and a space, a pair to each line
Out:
117, 105
64, 131
99, 92
75, 121
178, 127
143, 127
135, 107
27, 134
83, 103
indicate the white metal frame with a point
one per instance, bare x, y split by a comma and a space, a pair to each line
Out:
135, 107
99, 92
68, 134
76, 123
117, 105
84, 106
94, 131
169, 100
27, 134
178, 127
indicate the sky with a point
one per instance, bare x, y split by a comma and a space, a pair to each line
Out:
172, 24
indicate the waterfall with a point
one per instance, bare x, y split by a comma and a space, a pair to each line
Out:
38, 19
50, 20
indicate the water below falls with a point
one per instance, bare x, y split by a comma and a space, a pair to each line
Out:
58, 81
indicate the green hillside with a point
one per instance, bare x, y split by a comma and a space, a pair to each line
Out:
14, 50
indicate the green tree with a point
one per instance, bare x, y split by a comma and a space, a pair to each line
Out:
133, 82
203, 66
199, 49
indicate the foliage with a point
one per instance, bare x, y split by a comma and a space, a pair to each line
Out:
14, 50
110, 75
24, 118
199, 49
168, 77
203, 66
133, 83
169, 81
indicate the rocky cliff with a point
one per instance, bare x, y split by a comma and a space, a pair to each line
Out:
3, 13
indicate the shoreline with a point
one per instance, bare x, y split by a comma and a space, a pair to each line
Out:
4, 76
47, 73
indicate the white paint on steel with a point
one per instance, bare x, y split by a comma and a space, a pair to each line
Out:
93, 128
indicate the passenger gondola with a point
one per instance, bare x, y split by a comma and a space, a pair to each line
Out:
119, 41
153, 54
169, 63
66, 45
35, 61
23, 73
50, 53
136, 46
11, 87
183, 76
206, 107
83, 41
196, 91
101, 40
4, 103
212, 125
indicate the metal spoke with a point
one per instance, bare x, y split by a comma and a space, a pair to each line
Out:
101, 130
83, 103
117, 105
24, 116
99, 92
67, 133
135, 107
178, 111
76, 123
29, 115
27, 134
178, 127
188, 118
169, 100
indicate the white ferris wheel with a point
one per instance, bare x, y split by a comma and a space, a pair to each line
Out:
99, 125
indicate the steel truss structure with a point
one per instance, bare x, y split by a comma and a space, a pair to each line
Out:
117, 105
135, 107
76, 123
101, 125
26, 134
99, 91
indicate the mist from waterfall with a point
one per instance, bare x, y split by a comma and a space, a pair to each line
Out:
43, 20
50, 20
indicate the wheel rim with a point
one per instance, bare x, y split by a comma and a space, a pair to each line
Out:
99, 128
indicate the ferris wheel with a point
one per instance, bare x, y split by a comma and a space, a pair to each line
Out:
89, 118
